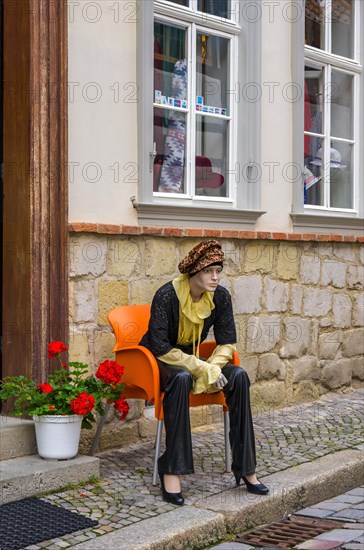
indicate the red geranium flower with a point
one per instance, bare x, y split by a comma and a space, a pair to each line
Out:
83, 404
122, 407
109, 372
51, 408
45, 388
54, 348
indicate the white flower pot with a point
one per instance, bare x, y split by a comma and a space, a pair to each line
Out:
58, 436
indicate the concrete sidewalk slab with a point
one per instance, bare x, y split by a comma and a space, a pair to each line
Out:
290, 490
183, 528
235, 510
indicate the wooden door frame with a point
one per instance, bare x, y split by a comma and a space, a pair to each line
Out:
35, 267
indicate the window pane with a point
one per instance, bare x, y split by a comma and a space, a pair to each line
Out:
314, 24
170, 161
170, 89
212, 73
342, 27
180, 2
341, 176
338, 176
313, 125
220, 8
170, 68
313, 179
314, 100
211, 156
341, 105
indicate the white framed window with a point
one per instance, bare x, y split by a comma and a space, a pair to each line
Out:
199, 142
332, 141
194, 113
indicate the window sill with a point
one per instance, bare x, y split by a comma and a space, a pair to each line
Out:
324, 223
173, 215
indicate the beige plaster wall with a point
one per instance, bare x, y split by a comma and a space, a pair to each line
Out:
102, 111
277, 129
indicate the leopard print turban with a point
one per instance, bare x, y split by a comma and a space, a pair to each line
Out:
204, 254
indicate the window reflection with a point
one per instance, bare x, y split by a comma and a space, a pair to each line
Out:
341, 175
170, 90
314, 23
180, 2
340, 15
336, 167
342, 27
313, 126
169, 52
211, 156
212, 73
220, 8
341, 95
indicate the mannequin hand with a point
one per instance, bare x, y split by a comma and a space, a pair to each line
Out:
220, 382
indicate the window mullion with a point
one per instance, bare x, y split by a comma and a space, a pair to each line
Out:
192, 104
328, 27
233, 166
193, 5
358, 16
356, 137
327, 143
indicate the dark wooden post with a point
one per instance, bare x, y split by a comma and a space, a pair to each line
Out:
35, 304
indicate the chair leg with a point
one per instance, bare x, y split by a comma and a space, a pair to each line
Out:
227, 442
100, 425
158, 442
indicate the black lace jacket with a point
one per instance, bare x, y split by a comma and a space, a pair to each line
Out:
162, 332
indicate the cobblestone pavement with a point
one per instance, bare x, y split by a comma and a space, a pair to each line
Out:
285, 438
348, 509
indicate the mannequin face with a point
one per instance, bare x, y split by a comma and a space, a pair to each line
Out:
205, 280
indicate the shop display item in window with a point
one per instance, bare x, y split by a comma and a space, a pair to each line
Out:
206, 178
172, 172
309, 180
335, 158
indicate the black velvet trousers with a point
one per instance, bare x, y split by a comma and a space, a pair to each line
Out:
177, 384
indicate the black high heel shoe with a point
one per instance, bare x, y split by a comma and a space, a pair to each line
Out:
255, 488
172, 498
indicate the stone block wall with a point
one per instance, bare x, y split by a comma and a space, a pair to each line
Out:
298, 305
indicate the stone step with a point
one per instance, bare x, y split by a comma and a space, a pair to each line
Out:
17, 437
219, 516
28, 476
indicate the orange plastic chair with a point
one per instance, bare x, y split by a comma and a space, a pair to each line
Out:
141, 374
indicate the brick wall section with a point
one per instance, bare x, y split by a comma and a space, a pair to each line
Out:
298, 304
106, 229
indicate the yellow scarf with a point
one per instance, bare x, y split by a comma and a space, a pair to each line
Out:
192, 314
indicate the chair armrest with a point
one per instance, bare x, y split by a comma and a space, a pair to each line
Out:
207, 347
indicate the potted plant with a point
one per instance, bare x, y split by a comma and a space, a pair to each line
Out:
66, 402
